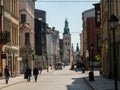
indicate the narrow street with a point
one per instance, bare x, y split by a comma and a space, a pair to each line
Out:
56, 80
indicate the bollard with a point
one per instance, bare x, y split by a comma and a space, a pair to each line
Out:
91, 76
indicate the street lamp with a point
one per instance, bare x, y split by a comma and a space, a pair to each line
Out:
113, 23
92, 48
91, 73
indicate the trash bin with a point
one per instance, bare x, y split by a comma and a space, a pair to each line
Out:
91, 76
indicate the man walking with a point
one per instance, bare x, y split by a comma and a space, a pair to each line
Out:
28, 73
35, 73
7, 74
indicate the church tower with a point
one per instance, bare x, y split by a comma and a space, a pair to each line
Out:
77, 48
67, 44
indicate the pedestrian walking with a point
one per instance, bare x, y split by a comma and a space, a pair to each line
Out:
28, 74
40, 68
83, 68
35, 73
63, 65
7, 74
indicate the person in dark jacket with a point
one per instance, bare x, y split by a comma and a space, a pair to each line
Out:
35, 73
7, 74
28, 73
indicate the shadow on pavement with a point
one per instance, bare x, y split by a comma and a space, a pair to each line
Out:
77, 84
102, 83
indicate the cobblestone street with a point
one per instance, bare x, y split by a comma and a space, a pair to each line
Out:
56, 80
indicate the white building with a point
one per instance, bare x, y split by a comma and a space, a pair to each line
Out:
52, 39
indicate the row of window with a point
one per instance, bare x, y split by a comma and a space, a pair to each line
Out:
13, 29
11, 6
67, 38
67, 43
15, 32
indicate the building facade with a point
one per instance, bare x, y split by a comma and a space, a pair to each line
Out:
89, 36
98, 32
61, 49
27, 42
66, 44
40, 14
11, 25
56, 47
50, 46
40, 37
81, 45
1, 29
109, 8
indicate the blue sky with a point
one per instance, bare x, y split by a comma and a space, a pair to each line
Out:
56, 12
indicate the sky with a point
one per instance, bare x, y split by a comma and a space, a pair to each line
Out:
58, 10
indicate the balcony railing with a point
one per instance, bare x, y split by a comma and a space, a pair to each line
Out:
4, 37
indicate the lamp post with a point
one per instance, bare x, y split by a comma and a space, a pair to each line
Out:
113, 23
92, 48
91, 73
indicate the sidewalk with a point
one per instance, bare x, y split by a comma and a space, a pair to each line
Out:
18, 79
101, 83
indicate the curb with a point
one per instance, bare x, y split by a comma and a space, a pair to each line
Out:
87, 82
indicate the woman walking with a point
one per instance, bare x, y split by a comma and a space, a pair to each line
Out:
35, 73
7, 74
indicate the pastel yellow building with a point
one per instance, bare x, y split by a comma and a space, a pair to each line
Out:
11, 25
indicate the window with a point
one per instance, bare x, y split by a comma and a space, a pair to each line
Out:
27, 38
68, 43
23, 18
68, 38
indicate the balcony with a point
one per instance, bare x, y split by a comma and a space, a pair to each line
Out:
25, 26
4, 37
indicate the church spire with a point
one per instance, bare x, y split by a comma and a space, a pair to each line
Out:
66, 28
77, 48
